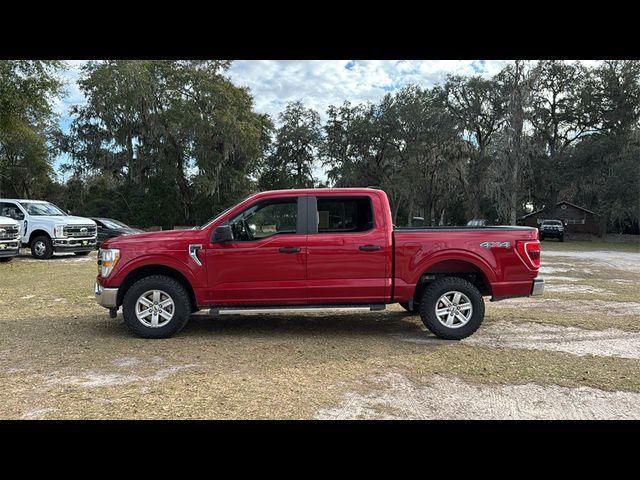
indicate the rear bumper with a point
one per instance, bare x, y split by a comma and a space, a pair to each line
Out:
538, 287
107, 297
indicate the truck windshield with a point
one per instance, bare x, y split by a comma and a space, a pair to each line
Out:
110, 223
37, 208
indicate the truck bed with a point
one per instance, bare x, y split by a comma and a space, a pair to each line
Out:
501, 228
488, 252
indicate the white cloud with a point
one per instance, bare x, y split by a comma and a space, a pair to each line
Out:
320, 83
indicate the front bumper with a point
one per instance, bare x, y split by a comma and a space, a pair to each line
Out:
107, 297
552, 233
538, 287
61, 245
9, 248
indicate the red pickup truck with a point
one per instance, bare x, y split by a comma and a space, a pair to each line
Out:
313, 250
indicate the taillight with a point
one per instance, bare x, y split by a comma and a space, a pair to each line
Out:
530, 253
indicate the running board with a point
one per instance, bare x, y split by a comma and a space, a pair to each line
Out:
297, 309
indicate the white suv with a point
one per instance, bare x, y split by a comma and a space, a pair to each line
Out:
48, 229
9, 239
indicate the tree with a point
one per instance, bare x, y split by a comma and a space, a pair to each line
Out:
563, 111
291, 162
478, 105
27, 125
511, 148
172, 134
605, 163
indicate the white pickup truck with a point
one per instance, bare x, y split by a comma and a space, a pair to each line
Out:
9, 239
46, 228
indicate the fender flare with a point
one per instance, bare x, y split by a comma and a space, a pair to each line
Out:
454, 254
157, 260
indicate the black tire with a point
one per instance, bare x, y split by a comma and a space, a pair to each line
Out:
181, 312
6, 259
415, 310
430, 298
82, 254
562, 238
42, 248
541, 238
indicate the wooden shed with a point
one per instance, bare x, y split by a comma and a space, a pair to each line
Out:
575, 219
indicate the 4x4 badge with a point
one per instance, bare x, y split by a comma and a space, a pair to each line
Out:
495, 244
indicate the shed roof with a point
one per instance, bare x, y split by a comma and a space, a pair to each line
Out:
560, 203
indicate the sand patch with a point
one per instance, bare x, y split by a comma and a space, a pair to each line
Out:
578, 341
451, 398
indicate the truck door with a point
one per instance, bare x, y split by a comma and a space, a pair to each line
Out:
348, 250
266, 263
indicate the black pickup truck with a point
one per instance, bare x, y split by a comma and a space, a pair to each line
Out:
552, 229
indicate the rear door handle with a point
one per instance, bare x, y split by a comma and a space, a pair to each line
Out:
289, 250
370, 248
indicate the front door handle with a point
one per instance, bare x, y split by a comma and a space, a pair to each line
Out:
370, 248
289, 250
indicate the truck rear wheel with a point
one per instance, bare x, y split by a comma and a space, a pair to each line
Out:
42, 248
452, 308
156, 307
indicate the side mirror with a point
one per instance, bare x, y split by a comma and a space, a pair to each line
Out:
223, 234
69, 212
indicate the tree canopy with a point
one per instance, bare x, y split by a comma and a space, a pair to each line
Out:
172, 142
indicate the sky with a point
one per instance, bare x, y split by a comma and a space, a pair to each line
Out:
317, 83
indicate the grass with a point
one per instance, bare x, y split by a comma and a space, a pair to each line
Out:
590, 245
62, 357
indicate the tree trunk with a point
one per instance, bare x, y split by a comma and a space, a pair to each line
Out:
410, 210
428, 201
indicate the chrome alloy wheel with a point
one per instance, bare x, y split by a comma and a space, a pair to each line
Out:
155, 308
40, 248
454, 309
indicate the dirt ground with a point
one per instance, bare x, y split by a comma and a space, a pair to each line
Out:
574, 353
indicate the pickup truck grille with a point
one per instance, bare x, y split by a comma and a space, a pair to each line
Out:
72, 231
9, 232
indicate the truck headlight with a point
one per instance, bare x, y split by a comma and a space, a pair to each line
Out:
107, 260
58, 231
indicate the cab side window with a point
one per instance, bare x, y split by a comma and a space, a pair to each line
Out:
344, 215
265, 219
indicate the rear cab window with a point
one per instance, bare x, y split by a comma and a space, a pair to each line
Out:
344, 214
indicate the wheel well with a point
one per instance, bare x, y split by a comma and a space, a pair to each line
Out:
453, 268
148, 270
38, 233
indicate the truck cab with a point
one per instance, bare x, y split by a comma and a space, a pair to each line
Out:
47, 229
9, 239
315, 250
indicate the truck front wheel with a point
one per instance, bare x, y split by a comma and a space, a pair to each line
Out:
42, 248
156, 307
452, 308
